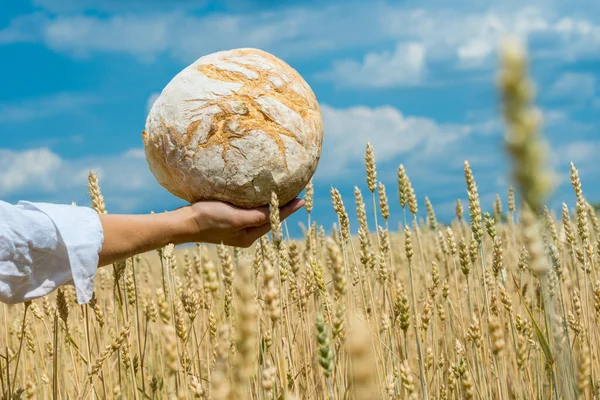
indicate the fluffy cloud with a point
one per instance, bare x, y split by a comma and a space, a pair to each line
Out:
459, 40
579, 152
126, 180
71, 6
42, 107
432, 152
81, 35
583, 154
30, 168
126, 177
405, 66
151, 100
291, 32
416, 40
467, 36
573, 86
394, 135
473, 36
413, 140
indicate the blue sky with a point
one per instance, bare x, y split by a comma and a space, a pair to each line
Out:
415, 79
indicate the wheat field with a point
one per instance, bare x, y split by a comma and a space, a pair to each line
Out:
502, 304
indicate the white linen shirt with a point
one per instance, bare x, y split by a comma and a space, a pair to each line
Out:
44, 246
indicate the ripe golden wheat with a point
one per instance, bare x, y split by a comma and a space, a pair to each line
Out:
505, 305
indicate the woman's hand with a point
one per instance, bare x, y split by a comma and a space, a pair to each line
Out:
217, 222
206, 222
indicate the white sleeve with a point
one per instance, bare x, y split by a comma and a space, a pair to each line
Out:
44, 246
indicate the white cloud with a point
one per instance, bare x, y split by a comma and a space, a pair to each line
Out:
573, 86
405, 66
392, 134
151, 100
81, 35
584, 154
23, 28
432, 152
28, 168
579, 152
126, 180
440, 37
43, 107
475, 50
473, 36
71, 6
459, 39
291, 32
135, 153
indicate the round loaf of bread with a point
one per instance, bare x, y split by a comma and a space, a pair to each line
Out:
235, 126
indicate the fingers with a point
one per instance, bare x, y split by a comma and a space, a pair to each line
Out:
255, 232
260, 216
253, 217
290, 208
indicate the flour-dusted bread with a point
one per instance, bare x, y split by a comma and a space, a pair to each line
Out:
235, 126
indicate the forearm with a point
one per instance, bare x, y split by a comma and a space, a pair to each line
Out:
44, 246
128, 235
